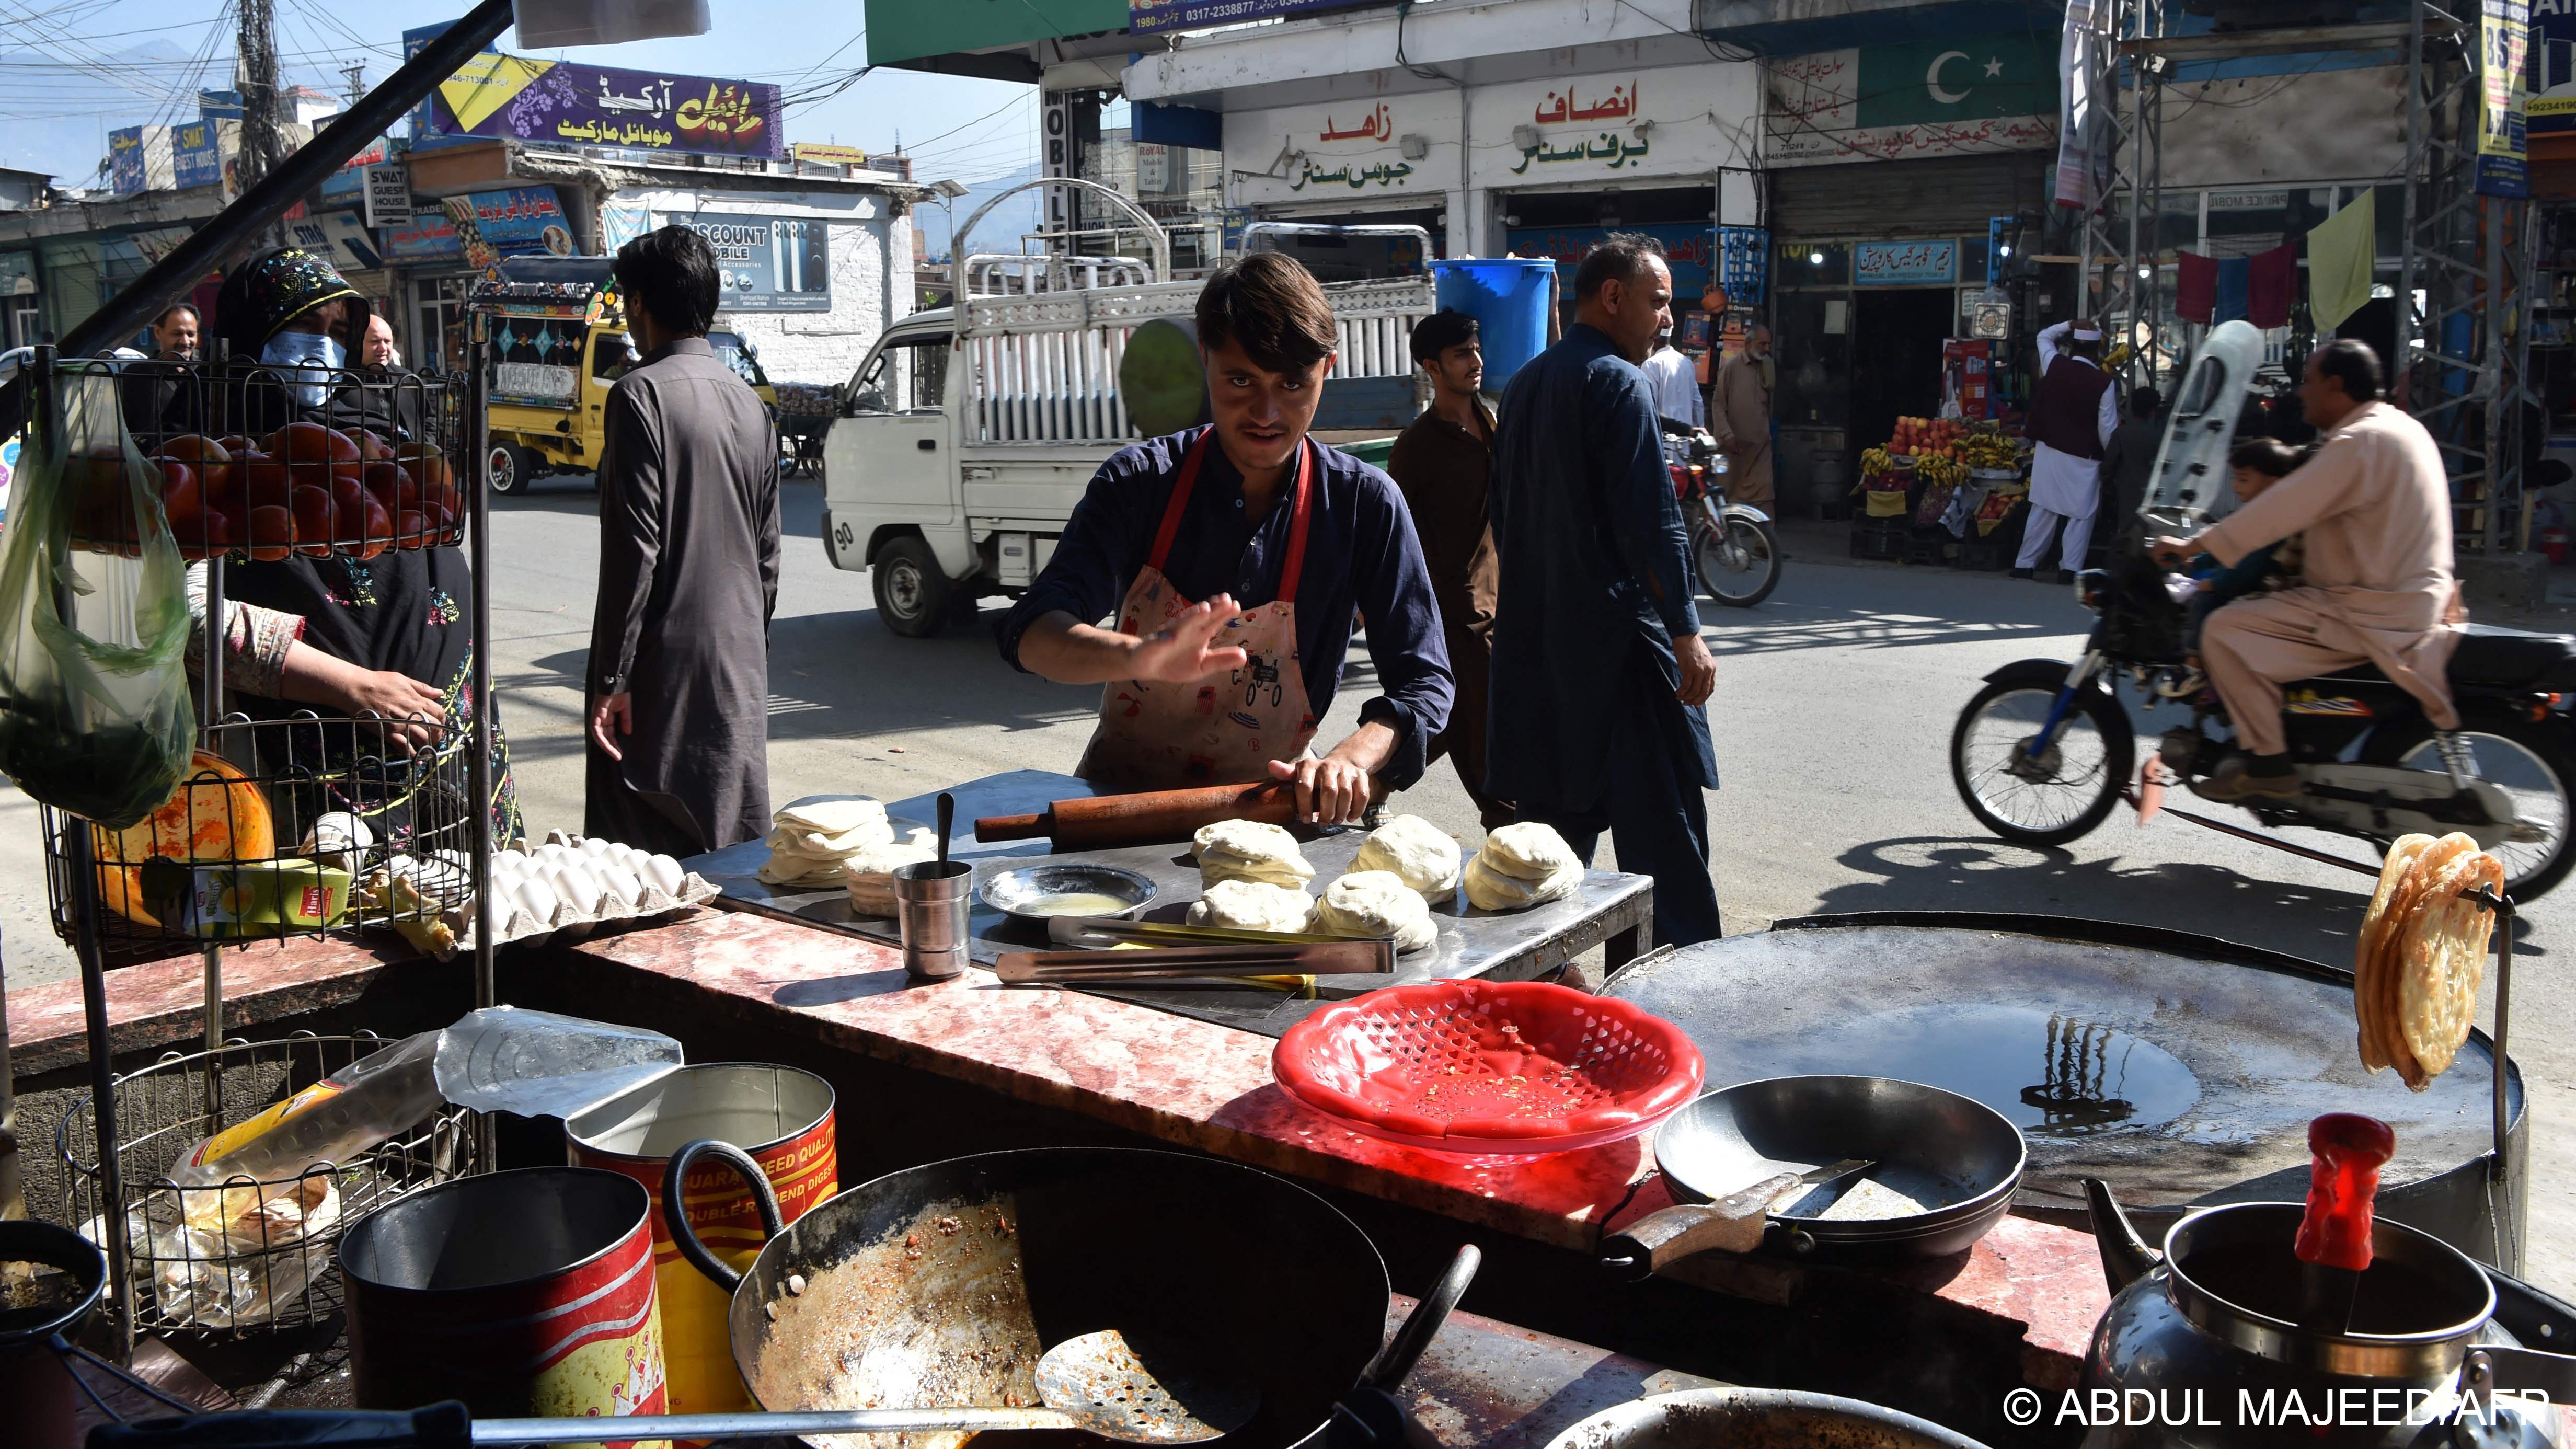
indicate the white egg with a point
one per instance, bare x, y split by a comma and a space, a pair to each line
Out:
554, 854
619, 884
597, 845
579, 891
665, 872
496, 911
509, 865
540, 900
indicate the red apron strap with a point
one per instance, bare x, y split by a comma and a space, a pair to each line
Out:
1180, 503
1295, 567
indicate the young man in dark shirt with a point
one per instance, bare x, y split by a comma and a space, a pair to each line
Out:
1443, 462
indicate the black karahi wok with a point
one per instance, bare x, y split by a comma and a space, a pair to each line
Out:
1957, 1156
943, 1284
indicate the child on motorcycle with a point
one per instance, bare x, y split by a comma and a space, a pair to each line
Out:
2253, 465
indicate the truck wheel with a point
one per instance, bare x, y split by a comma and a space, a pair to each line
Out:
505, 467
912, 591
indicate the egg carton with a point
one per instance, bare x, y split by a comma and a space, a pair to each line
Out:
571, 924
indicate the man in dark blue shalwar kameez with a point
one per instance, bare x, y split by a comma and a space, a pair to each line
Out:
1600, 677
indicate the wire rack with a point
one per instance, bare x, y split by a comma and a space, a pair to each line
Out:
260, 463
250, 1255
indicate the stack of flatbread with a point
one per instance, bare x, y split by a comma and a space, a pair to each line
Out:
1376, 904
1250, 850
1520, 866
810, 840
2422, 955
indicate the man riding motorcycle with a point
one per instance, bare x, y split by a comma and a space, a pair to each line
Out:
2375, 506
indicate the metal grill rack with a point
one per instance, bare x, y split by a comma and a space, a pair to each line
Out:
249, 1255
399, 458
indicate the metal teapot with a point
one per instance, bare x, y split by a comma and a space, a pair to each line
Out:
2204, 1346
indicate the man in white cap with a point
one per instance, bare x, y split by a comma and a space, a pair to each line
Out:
2072, 414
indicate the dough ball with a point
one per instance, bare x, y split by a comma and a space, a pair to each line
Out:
1490, 890
795, 840
1415, 849
1376, 903
826, 815
1528, 850
1250, 850
1244, 905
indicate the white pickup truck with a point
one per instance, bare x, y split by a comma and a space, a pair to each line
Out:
966, 438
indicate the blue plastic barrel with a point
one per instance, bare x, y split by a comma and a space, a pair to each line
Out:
1508, 297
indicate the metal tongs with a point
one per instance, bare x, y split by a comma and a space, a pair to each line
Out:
1193, 956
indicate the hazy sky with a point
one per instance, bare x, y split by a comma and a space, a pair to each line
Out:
73, 70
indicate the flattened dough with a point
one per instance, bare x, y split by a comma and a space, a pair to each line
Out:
1528, 850
832, 815
1250, 850
1415, 849
1490, 890
1376, 903
1245, 905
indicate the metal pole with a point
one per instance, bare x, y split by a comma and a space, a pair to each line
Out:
2501, 1202
210, 708
83, 867
2402, 365
478, 764
2491, 374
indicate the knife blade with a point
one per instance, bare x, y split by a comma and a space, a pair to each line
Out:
1330, 958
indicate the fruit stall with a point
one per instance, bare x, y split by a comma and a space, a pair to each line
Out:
1943, 492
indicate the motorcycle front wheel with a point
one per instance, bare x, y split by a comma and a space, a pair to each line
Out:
1739, 566
2527, 759
2055, 795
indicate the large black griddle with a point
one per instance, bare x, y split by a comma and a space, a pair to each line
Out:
2181, 1069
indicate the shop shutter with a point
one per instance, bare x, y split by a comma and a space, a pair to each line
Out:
1938, 196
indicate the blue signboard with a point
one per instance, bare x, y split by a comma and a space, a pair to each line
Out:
428, 237
524, 221
196, 154
766, 263
125, 161
1905, 264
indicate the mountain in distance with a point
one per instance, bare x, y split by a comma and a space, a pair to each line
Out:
999, 232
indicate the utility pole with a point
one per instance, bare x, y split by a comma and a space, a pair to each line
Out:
356, 71
255, 76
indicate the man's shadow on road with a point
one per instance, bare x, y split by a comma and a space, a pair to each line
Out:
1948, 873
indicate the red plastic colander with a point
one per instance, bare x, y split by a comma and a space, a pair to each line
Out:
1515, 1068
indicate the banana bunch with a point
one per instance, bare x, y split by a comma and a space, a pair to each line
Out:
1987, 450
1876, 460
1937, 471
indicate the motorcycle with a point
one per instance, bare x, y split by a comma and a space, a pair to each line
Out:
1732, 544
2045, 751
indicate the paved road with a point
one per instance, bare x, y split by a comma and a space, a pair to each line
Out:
1833, 712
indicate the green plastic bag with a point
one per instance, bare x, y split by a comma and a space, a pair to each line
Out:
94, 713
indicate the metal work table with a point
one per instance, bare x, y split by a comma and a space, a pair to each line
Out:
1612, 910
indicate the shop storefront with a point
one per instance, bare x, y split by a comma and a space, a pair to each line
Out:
1891, 166
1387, 162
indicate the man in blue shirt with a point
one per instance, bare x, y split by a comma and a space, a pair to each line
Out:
1233, 558
1600, 676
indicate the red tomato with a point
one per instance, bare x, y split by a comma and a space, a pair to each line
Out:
316, 521
272, 533
411, 528
377, 529
370, 447
265, 485
213, 462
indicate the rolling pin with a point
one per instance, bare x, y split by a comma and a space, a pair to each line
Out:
1154, 816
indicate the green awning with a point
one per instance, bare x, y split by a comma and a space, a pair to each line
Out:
901, 30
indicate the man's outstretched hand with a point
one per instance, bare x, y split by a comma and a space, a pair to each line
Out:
1181, 654
1699, 669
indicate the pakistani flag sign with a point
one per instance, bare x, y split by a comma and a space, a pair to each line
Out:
1951, 97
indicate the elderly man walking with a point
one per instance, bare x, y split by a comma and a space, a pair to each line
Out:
1741, 414
1600, 675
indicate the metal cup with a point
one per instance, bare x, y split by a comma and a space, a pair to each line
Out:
931, 901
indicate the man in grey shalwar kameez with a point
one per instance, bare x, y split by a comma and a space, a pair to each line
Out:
688, 575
